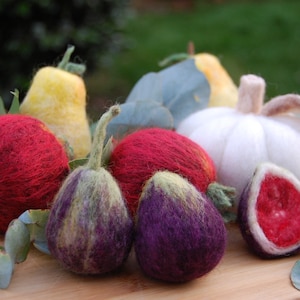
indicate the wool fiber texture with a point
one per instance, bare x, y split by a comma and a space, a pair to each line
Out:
180, 236
32, 167
139, 155
58, 98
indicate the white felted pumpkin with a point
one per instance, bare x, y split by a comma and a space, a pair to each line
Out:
238, 139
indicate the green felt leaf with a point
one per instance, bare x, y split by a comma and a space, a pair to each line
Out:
173, 58
36, 221
15, 105
2, 107
137, 115
17, 241
6, 269
107, 150
181, 88
295, 275
75, 163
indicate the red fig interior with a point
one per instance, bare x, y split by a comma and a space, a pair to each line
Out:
278, 210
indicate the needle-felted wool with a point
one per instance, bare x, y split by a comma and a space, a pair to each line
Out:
32, 167
58, 98
182, 240
139, 155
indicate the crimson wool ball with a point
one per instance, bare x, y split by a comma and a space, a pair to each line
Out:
32, 167
140, 154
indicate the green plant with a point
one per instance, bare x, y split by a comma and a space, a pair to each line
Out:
36, 31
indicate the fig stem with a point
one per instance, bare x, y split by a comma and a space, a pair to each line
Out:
95, 158
223, 198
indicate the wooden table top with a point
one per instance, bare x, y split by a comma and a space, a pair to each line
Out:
240, 275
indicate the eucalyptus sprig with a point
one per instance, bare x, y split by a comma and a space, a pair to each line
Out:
21, 232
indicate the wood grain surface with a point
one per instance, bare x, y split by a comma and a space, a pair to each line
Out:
240, 275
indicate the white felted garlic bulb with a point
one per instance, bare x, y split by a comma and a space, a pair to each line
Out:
238, 139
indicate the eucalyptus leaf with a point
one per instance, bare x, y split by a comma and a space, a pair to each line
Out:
17, 241
148, 88
181, 88
137, 115
6, 269
42, 247
295, 275
185, 89
15, 105
36, 221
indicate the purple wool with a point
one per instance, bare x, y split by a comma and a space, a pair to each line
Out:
87, 232
177, 239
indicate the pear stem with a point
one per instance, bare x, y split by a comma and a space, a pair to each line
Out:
68, 66
95, 159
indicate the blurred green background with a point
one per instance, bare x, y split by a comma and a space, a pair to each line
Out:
260, 37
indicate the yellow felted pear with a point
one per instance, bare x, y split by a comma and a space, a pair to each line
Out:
223, 91
57, 96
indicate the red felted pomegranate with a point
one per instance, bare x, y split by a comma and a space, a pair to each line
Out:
269, 212
33, 164
139, 155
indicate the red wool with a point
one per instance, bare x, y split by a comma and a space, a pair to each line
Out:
139, 155
32, 167
278, 210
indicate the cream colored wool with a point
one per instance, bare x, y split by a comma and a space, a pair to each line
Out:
58, 98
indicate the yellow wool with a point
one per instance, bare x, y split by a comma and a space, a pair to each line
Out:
223, 90
58, 98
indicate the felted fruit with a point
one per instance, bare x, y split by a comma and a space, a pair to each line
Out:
240, 138
180, 235
33, 165
58, 98
223, 91
269, 212
140, 154
89, 230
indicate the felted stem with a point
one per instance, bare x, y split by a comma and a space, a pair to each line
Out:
223, 198
95, 158
251, 94
281, 104
68, 66
191, 48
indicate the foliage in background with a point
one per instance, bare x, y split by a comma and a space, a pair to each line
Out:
260, 37
35, 33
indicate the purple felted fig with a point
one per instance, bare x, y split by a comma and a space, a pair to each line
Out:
180, 235
90, 230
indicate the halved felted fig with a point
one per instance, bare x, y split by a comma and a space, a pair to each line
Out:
269, 212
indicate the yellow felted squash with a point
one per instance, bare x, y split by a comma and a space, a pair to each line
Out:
58, 98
